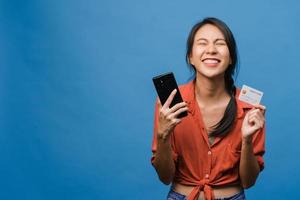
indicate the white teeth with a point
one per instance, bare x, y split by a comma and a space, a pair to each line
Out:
210, 61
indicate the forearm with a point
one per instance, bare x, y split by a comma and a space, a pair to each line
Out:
163, 162
249, 168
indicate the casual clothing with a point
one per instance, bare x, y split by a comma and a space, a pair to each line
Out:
176, 196
197, 162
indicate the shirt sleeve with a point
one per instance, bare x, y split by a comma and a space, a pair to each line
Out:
259, 147
154, 141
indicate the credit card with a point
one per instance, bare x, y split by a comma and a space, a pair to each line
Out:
250, 95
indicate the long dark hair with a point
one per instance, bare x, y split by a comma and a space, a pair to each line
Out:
227, 121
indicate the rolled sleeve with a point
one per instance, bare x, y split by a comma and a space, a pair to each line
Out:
259, 147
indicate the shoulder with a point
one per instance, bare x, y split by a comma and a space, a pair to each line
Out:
187, 90
184, 87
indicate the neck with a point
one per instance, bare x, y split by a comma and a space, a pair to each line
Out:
209, 91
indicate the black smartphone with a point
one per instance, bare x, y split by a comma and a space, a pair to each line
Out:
164, 85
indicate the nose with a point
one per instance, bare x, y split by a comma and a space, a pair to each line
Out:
211, 49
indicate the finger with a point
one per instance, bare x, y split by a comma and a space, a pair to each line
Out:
176, 121
177, 106
250, 114
254, 115
251, 121
181, 110
254, 111
261, 107
261, 116
257, 113
255, 127
256, 122
246, 118
170, 99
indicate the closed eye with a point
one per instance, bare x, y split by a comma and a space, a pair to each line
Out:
201, 43
220, 43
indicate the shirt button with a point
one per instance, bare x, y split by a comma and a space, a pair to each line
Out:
209, 152
206, 175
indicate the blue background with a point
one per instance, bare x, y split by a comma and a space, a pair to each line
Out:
77, 98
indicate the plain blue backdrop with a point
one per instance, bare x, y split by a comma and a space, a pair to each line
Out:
77, 97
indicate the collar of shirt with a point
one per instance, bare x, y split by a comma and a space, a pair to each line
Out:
188, 93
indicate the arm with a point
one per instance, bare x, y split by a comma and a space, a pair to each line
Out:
163, 162
166, 119
249, 167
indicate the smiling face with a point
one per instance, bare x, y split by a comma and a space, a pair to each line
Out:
210, 54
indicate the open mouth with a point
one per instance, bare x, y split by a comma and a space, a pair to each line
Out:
211, 61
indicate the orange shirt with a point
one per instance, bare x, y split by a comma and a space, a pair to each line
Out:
197, 162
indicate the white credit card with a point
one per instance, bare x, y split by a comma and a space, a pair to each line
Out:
250, 95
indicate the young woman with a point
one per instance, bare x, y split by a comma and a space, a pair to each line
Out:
216, 151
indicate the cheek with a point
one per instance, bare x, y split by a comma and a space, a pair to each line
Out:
225, 54
198, 50
196, 54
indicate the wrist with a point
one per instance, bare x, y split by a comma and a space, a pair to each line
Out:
247, 140
162, 137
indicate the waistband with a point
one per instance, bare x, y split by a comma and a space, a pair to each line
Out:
173, 195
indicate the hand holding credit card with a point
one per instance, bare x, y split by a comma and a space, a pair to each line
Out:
250, 95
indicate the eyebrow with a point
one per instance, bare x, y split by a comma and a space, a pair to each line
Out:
214, 40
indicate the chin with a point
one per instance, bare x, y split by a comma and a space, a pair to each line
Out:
211, 74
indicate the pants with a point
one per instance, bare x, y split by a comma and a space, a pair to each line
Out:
176, 196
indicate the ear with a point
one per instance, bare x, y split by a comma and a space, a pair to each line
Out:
190, 60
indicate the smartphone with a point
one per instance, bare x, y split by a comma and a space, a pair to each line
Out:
164, 85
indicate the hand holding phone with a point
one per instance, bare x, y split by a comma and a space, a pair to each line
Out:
171, 106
